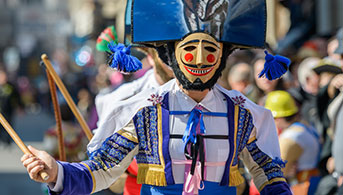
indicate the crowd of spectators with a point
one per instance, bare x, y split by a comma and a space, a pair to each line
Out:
308, 130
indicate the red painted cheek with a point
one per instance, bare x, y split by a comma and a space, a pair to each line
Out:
211, 58
189, 57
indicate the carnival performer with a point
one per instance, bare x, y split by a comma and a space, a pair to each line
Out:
188, 134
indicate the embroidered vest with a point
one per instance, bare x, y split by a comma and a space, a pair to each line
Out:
153, 158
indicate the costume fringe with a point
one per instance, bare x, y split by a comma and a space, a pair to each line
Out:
151, 177
235, 177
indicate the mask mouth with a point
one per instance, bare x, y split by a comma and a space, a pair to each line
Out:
198, 71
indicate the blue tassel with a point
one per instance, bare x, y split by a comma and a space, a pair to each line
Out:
280, 162
121, 59
275, 66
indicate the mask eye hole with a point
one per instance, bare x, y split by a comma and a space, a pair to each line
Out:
210, 49
189, 48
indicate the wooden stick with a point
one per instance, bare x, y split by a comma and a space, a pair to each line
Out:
58, 118
67, 97
19, 142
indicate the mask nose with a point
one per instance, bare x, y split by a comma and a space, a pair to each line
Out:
199, 59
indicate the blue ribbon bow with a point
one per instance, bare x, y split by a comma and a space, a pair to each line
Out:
196, 117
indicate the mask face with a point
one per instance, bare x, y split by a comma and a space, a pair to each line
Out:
198, 56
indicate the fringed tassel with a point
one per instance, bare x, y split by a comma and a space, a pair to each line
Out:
275, 66
121, 59
280, 162
235, 177
151, 177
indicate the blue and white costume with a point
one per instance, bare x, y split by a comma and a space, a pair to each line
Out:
146, 129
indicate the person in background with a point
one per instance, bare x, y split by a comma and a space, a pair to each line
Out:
75, 141
332, 183
9, 102
335, 111
299, 143
305, 94
240, 78
327, 69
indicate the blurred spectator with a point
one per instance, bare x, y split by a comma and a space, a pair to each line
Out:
339, 37
86, 107
326, 69
237, 56
240, 78
332, 183
309, 49
305, 94
299, 143
308, 79
9, 102
75, 141
335, 113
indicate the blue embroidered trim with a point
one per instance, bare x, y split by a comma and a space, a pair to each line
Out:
113, 150
231, 131
165, 143
146, 126
271, 168
245, 127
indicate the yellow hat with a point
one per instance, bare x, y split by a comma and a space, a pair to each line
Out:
281, 104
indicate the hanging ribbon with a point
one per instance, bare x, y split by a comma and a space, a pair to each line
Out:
194, 182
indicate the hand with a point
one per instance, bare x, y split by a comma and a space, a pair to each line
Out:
337, 81
330, 165
38, 161
335, 84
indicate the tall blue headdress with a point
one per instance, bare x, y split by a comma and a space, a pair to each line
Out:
241, 23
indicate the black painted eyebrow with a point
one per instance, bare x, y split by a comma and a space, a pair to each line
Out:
191, 41
197, 40
210, 43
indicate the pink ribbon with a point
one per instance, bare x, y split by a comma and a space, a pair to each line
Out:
194, 183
